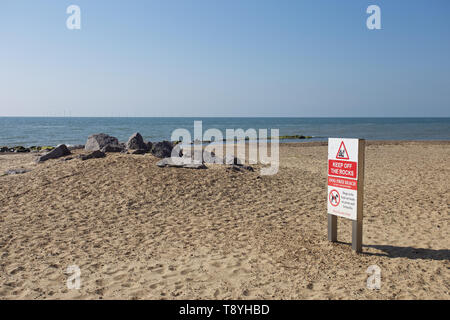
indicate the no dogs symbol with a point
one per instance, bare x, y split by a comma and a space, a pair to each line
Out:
334, 198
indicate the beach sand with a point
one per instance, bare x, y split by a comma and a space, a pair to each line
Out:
137, 231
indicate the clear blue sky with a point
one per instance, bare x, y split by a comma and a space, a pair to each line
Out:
225, 58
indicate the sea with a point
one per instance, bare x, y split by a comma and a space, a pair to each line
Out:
51, 131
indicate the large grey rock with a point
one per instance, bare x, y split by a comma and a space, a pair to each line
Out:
98, 141
58, 152
93, 155
172, 162
162, 149
136, 142
180, 163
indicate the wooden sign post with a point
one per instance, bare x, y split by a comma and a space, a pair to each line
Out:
346, 186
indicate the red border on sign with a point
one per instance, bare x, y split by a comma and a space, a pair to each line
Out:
346, 152
329, 198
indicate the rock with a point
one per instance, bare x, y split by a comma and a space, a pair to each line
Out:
139, 151
21, 149
75, 147
149, 146
248, 168
4, 149
98, 141
58, 152
123, 145
113, 148
173, 162
93, 155
16, 171
162, 149
180, 163
135, 142
230, 159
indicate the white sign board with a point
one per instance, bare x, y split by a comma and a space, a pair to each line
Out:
343, 177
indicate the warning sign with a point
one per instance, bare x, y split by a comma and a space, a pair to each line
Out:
343, 177
334, 198
342, 152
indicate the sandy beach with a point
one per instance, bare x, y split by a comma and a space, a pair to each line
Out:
138, 231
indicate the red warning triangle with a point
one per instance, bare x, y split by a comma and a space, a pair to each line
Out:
342, 152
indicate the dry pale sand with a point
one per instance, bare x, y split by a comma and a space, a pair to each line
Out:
139, 231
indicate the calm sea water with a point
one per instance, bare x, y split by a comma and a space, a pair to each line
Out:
52, 131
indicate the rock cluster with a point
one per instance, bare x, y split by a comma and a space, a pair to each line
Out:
172, 153
22, 149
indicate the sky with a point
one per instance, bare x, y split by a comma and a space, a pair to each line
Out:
235, 58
